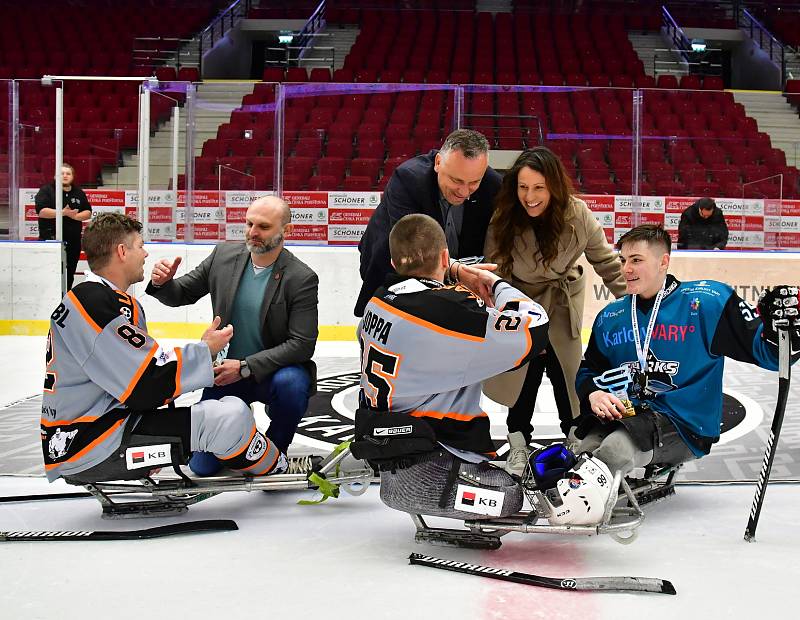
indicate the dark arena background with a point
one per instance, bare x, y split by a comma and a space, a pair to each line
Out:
181, 113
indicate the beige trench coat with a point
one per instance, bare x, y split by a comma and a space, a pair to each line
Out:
560, 289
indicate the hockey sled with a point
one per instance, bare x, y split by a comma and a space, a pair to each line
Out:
151, 497
621, 519
658, 482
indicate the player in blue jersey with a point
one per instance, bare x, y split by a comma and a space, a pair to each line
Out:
670, 338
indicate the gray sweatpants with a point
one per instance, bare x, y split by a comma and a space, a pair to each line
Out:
616, 449
226, 428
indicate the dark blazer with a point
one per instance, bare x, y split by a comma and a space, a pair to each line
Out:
288, 315
414, 188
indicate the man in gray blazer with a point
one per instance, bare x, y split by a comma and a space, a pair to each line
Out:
270, 298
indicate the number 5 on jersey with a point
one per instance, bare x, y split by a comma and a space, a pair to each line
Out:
380, 367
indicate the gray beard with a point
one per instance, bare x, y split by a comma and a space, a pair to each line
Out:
266, 247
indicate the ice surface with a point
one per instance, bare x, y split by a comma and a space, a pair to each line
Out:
347, 558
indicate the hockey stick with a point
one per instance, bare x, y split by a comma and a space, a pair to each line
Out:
619, 584
188, 527
784, 376
43, 497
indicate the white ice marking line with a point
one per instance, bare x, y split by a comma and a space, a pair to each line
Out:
19, 402
753, 416
338, 404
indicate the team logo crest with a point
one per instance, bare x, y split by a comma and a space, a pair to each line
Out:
256, 448
658, 379
59, 443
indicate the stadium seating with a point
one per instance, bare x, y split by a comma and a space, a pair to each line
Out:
696, 137
100, 117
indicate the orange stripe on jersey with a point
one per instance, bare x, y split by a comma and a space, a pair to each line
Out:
91, 446
244, 447
83, 312
423, 323
135, 312
139, 373
449, 415
263, 456
82, 420
179, 355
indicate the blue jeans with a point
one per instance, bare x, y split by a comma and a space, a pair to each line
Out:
285, 393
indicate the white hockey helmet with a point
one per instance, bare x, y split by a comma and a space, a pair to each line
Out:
580, 497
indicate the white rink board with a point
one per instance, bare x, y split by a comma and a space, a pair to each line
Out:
29, 280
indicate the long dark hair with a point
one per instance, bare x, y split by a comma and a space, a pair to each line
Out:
510, 218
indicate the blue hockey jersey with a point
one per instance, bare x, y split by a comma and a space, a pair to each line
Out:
698, 324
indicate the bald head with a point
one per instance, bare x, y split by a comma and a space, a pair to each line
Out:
266, 223
272, 206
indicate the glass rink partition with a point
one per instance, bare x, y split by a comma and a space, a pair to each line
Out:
150, 149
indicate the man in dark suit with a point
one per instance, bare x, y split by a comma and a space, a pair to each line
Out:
453, 185
270, 298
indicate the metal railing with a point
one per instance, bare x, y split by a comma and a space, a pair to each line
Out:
700, 65
308, 33
764, 39
532, 136
294, 55
220, 26
691, 60
682, 44
148, 53
303, 41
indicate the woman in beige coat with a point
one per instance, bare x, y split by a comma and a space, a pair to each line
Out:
538, 232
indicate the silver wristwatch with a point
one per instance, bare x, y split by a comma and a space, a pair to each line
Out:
244, 369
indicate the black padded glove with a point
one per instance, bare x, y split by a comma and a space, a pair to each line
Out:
781, 307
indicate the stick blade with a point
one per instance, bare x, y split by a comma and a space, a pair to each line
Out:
623, 584
585, 584
668, 588
189, 527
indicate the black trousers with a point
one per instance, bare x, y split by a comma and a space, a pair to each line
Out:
521, 413
72, 247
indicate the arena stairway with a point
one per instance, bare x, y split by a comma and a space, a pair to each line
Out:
215, 102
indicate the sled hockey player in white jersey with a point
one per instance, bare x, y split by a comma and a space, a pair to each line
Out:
107, 380
426, 347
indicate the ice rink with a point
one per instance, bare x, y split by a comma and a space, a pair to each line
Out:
347, 557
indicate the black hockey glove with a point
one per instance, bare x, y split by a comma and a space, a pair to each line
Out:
781, 307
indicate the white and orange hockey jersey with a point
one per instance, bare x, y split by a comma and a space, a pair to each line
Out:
102, 365
427, 347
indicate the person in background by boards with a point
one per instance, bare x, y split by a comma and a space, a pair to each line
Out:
270, 298
75, 211
539, 230
454, 185
702, 227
